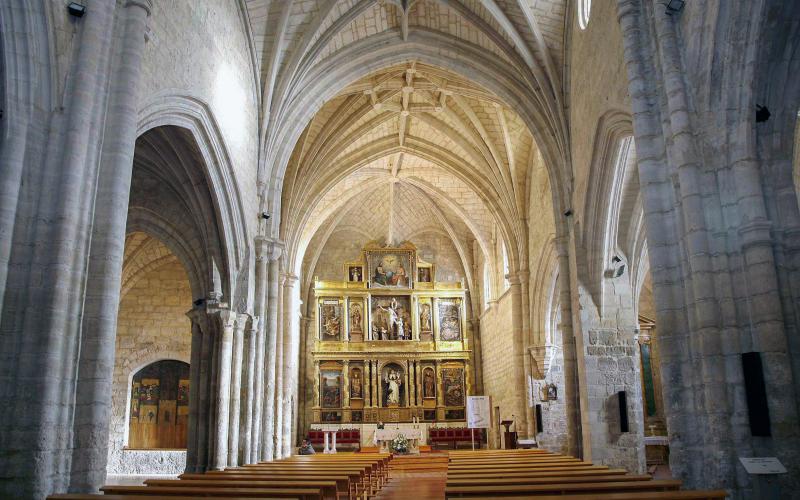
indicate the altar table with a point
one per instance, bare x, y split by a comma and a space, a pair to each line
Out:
384, 436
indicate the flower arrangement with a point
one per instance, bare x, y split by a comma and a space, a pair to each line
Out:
399, 444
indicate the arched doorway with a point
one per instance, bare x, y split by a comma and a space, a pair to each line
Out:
159, 406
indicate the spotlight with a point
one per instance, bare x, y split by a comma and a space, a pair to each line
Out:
675, 6
616, 259
265, 215
762, 114
199, 302
76, 10
568, 213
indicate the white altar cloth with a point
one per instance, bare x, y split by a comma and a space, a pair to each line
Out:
390, 434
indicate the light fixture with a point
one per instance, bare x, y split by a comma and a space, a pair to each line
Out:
675, 6
76, 10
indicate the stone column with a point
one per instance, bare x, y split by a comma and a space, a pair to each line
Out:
291, 347
204, 392
518, 361
525, 339
271, 372
345, 383
92, 410
223, 393
249, 439
196, 316
257, 353
279, 361
236, 389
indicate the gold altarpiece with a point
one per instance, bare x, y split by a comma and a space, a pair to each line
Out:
392, 343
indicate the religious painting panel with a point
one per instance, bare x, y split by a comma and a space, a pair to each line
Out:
331, 417
330, 319
356, 310
428, 383
393, 385
429, 415
425, 321
453, 386
424, 273
455, 415
330, 386
356, 383
355, 273
450, 319
391, 268
390, 318
357, 416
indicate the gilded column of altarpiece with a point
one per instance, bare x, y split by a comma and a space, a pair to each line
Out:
391, 342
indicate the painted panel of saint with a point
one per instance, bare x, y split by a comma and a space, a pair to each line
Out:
449, 320
330, 320
390, 269
453, 386
424, 274
391, 318
355, 274
330, 386
356, 384
428, 383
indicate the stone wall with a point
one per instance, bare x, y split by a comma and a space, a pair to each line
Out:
199, 49
497, 347
152, 325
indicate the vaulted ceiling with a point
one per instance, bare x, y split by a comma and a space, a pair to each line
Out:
402, 117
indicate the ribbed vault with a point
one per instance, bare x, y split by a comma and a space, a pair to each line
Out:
414, 153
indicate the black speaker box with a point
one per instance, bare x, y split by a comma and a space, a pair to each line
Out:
623, 411
756, 392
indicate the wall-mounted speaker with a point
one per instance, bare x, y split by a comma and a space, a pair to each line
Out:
623, 411
756, 392
539, 420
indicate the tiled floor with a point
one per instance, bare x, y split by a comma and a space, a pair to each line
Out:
414, 485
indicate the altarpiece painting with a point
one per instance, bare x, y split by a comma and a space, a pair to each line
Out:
390, 268
450, 319
391, 318
330, 319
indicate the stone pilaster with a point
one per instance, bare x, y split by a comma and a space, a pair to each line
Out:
236, 388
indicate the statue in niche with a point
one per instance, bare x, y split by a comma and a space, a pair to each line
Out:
356, 384
393, 382
425, 318
355, 318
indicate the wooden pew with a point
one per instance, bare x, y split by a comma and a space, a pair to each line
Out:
369, 482
369, 477
578, 472
201, 492
641, 495
329, 488
561, 488
548, 480
97, 496
350, 484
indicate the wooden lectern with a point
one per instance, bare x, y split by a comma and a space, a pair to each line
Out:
510, 439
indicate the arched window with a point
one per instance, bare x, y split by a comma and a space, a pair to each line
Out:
159, 406
487, 285
506, 271
584, 7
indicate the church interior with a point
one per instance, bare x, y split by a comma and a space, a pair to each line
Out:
453, 248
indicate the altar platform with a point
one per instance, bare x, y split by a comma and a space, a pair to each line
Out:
370, 435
